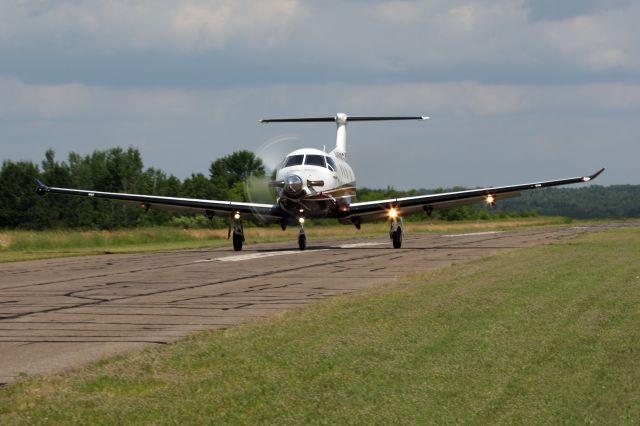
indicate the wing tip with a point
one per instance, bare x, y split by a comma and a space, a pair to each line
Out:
41, 189
593, 176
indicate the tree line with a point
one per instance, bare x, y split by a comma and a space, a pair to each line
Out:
122, 170
112, 170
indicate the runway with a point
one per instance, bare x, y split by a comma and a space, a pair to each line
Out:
62, 313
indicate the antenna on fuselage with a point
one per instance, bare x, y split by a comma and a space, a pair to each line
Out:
341, 121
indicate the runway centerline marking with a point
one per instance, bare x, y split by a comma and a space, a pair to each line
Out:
356, 245
472, 234
251, 256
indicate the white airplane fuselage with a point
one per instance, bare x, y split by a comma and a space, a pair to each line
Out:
316, 183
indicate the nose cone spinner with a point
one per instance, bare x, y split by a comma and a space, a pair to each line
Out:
293, 186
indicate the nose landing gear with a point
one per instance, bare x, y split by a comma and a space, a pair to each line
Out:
302, 238
238, 232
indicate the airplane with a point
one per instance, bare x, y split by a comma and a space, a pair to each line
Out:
312, 183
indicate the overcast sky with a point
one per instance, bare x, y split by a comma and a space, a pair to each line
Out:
518, 90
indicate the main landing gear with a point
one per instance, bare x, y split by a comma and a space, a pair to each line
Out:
395, 233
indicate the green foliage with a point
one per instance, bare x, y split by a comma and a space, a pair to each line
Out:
197, 222
198, 186
18, 202
114, 170
615, 201
228, 174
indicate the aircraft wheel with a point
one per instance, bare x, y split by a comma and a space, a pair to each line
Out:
302, 241
396, 236
237, 242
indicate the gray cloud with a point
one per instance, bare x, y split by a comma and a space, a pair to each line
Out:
199, 44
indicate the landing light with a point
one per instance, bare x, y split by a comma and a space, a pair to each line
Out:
301, 220
490, 199
393, 213
236, 216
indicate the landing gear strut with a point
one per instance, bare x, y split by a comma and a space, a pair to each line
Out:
238, 233
395, 233
302, 238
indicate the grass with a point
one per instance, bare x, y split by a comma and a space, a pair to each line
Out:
535, 336
31, 245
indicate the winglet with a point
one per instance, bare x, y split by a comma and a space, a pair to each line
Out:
593, 176
41, 189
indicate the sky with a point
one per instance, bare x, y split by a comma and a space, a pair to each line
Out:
517, 90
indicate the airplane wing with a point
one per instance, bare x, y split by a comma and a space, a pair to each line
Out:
376, 210
262, 212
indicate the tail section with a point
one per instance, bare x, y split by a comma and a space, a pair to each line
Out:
341, 121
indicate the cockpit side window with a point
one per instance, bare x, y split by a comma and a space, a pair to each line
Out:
314, 160
331, 165
293, 160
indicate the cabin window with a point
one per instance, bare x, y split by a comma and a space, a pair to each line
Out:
331, 165
314, 160
293, 160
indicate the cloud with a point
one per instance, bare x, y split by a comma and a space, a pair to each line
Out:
603, 41
18, 99
120, 25
203, 43
467, 98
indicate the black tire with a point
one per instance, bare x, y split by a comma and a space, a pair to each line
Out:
396, 236
302, 241
237, 242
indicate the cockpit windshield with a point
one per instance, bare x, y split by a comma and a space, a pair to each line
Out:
331, 165
293, 160
314, 160
310, 160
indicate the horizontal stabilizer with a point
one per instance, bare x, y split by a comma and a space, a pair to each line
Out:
392, 118
342, 118
299, 120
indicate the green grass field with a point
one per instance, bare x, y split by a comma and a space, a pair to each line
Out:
535, 336
31, 245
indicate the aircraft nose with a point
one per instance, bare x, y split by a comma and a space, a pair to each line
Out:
293, 185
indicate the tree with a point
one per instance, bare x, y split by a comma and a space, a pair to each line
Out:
230, 171
19, 203
198, 186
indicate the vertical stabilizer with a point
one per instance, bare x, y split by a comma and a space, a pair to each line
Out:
340, 150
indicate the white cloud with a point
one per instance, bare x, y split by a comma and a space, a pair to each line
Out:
387, 36
207, 24
603, 41
121, 25
19, 99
